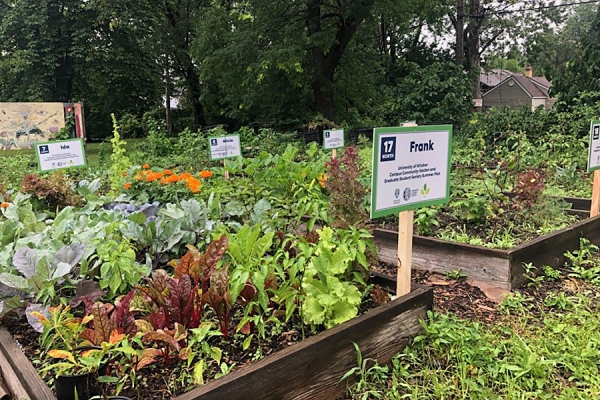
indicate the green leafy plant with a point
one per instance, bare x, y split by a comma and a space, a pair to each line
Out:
329, 296
425, 219
455, 275
120, 163
535, 280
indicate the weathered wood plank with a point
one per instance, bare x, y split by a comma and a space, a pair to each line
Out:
14, 363
480, 263
4, 393
312, 368
549, 249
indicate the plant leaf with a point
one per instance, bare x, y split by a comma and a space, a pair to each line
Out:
26, 261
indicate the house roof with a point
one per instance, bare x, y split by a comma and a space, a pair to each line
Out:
527, 84
540, 80
493, 77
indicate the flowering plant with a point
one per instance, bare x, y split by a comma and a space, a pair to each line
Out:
164, 185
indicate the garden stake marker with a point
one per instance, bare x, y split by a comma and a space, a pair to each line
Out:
405, 241
595, 194
332, 140
411, 166
594, 165
225, 168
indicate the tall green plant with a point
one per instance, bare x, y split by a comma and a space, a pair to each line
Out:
119, 161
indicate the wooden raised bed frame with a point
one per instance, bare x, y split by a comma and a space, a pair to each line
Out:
500, 268
311, 369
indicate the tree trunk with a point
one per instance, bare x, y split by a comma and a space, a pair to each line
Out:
474, 54
195, 91
326, 61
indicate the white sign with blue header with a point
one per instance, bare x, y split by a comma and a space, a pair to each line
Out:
221, 147
333, 139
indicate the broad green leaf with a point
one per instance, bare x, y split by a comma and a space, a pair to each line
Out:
14, 281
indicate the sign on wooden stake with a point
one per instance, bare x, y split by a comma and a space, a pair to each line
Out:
594, 165
411, 169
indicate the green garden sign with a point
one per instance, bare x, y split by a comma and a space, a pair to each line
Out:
411, 168
594, 149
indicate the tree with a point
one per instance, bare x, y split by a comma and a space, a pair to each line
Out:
71, 50
580, 82
177, 34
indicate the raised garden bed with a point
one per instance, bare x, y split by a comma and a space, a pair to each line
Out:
21, 380
501, 268
311, 369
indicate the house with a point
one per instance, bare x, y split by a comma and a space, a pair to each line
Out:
518, 90
490, 79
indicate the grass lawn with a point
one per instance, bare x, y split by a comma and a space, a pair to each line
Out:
544, 343
92, 151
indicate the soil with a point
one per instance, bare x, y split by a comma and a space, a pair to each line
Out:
509, 223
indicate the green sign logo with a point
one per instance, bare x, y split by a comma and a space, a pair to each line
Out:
425, 190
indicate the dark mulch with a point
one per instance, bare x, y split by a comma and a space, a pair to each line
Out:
451, 296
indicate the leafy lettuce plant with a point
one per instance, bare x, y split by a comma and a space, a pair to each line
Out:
330, 290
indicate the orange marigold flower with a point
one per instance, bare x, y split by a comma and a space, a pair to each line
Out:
4, 205
185, 175
138, 177
205, 174
194, 184
167, 172
145, 166
127, 185
153, 176
172, 179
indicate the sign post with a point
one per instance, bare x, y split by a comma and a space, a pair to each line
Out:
60, 154
224, 147
594, 165
411, 169
333, 140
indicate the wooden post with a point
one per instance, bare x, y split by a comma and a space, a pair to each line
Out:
595, 194
405, 239
334, 154
226, 173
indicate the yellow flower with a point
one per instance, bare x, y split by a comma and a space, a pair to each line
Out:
322, 179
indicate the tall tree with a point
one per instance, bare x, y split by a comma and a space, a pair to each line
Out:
71, 50
177, 33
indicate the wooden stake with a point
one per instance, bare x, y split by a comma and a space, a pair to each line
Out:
405, 239
226, 173
595, 194
334, 154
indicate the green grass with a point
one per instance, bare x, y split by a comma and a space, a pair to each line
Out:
547, 347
